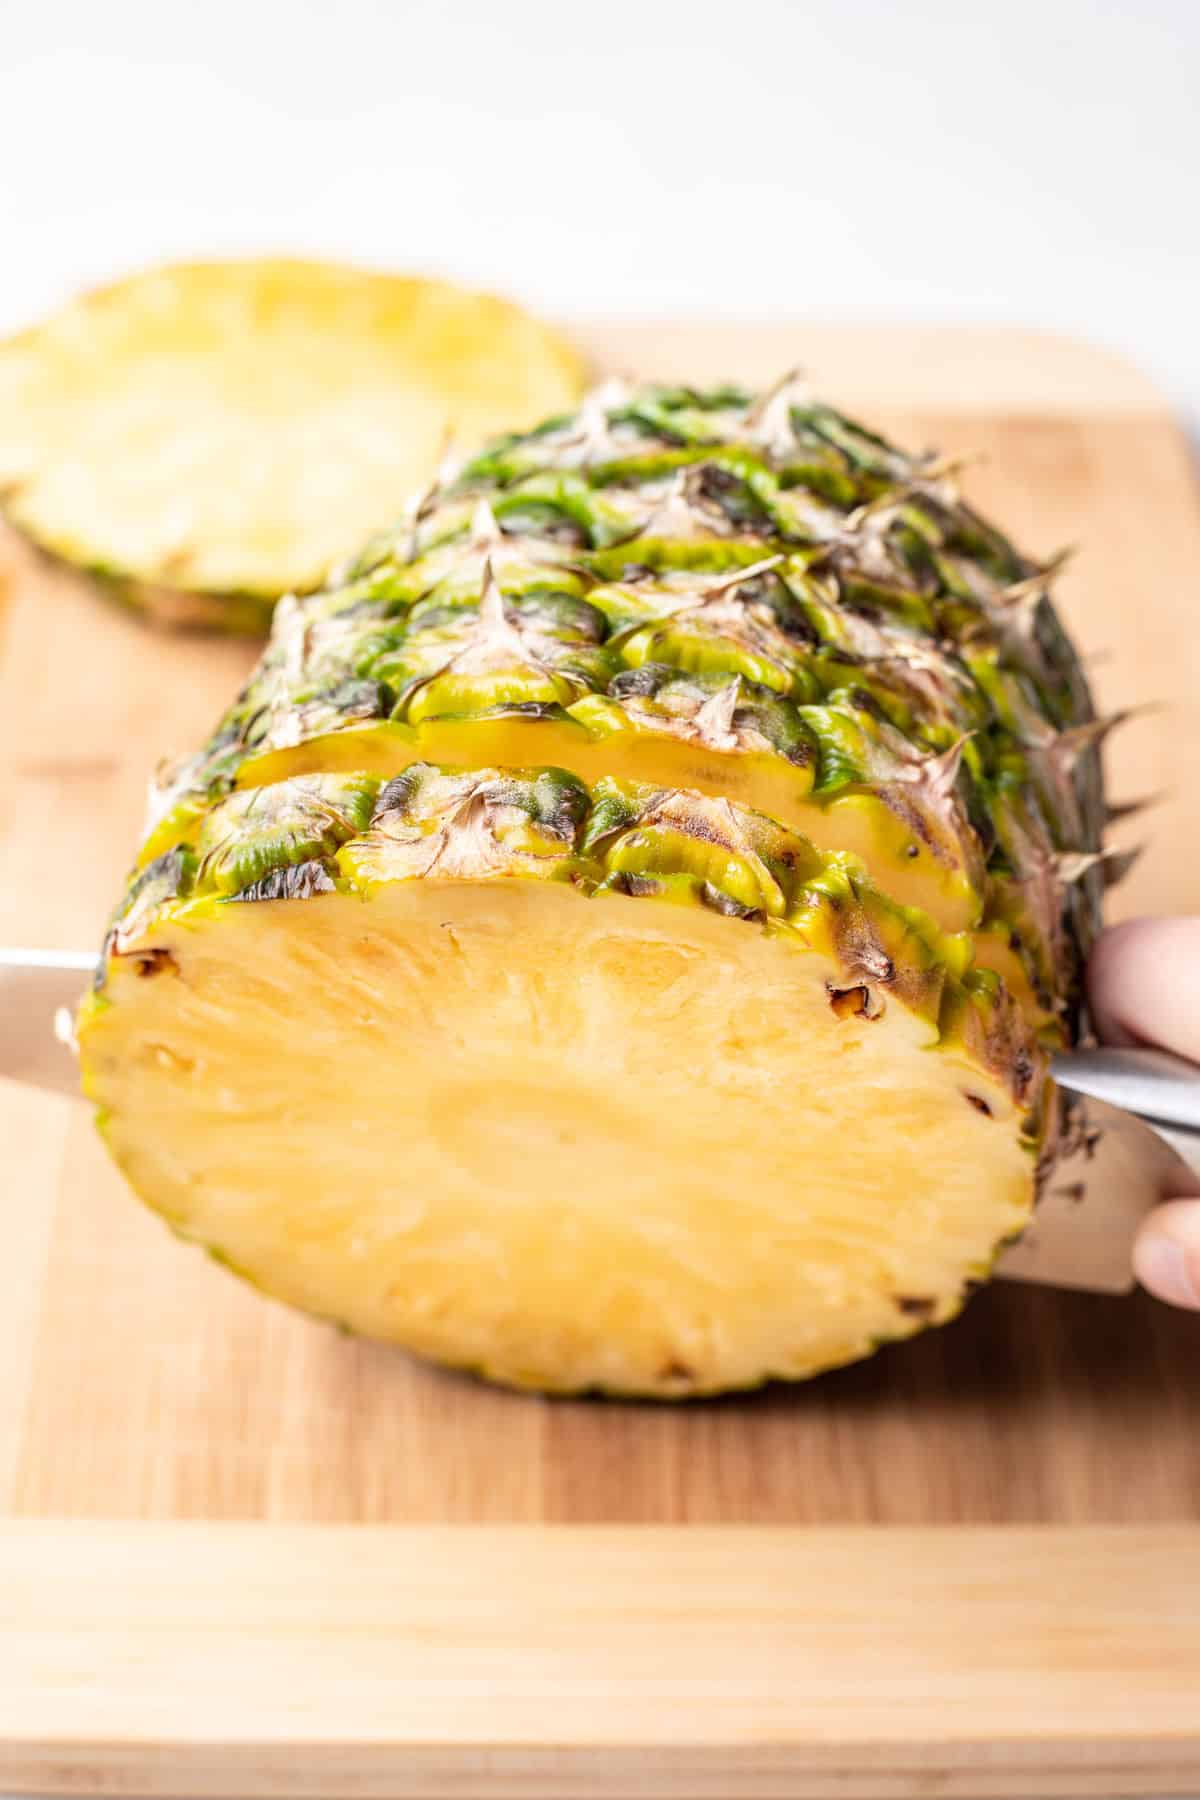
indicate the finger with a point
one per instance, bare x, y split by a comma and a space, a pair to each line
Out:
1166, 1256
1144, 984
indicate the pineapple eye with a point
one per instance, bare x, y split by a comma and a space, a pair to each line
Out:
857, 1002
916, 1306
155, 961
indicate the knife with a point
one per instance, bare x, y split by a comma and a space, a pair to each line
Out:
1141, 1135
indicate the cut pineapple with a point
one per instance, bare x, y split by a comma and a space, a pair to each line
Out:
581, 1090
617, 937
207, 437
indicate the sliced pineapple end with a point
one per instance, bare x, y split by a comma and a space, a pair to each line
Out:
235, 429
568, 1142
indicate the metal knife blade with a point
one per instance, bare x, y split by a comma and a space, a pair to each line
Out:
36, 986
1143, 1113
1081, 1234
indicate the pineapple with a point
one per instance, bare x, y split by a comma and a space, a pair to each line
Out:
616, 939
206, 437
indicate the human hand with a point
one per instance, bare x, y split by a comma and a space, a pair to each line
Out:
1144, 988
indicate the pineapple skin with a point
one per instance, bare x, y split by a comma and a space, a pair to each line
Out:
585, 660
898, 671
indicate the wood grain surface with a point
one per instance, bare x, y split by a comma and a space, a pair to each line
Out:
390, 1664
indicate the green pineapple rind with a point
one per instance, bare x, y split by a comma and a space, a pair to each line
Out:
592, 572
315, 835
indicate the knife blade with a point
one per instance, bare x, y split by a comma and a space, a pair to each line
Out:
36, 988
1142, 1126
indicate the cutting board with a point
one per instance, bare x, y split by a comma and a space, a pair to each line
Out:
233, 1547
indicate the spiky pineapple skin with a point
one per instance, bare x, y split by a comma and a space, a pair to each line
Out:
894, 627
756, 585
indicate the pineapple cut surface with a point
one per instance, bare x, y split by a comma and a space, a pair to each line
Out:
206, 437
608, 1089
617, 937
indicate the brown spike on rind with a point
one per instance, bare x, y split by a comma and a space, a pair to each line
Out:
728, 583
1070, 745
766, 400
1118, 864
885, 502
1118, 810
941, 469
938, 773
1021, 609
449, 461
485, 527
941, 771
942, 472
419, 506
1073, 865
590, 430
491, 600
417, 510
769, 420
1031, 587
714, 720
672, 516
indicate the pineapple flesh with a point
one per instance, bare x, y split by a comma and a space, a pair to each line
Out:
205, 437
616, 939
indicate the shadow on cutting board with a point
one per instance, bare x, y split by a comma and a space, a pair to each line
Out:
159, 1387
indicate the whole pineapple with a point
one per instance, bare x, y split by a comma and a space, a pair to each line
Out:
617, 937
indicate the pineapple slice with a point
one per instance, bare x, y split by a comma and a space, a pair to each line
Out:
614, 1089
617, 937
206, 437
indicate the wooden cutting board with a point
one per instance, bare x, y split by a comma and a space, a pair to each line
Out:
1054, 1648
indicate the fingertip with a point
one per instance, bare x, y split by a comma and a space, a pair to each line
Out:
1109, 980
1166, 1255
1144, 984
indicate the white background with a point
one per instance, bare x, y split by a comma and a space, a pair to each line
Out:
934, 159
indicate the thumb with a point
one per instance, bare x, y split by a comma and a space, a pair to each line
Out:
1144, 988
1166, 1256
1144, 984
